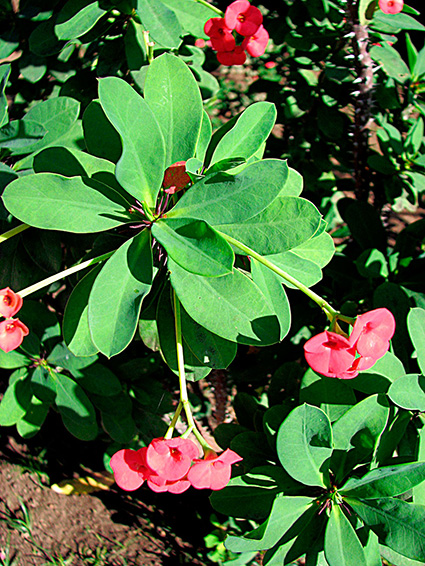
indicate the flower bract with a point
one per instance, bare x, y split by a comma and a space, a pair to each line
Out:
10, 302
12, 332
391, 6
256, 44
214, 471
243, 17
235, 57
171, 458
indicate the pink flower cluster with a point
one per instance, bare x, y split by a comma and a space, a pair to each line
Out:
247, 21
172, 465
12, 330
391, 6
334, 355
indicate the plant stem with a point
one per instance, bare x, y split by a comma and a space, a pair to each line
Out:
13, 232
184, 399
211, 7
170, 430
62, 274
331, 313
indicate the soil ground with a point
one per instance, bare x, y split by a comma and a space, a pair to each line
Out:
106, 528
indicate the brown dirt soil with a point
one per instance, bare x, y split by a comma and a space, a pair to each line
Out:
108, 528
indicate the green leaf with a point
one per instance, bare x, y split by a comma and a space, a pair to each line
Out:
334, 396
285, 512
226, 199
231, 306
4, 77
285, 224
115, 302
388, 481
398, 524
16, 399
342, 546
191, 15
204, 134
357, 433
76, 332
271, 286
76, 18
251, 130
161, 22
212, 350
33, 419
195, 246
393, 557
416, 327
393, 23
304, 445
98, 379
20, 133
140, 169
56, 116
372, 263
364, 223
77, 412
101, 139
13, 360
419, 69
173, 96
76, 204
408, 392
251, 495
43, 384
391, 62
379, 377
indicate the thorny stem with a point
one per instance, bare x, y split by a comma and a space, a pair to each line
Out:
13, 232
62, 274
330, 312
184, 399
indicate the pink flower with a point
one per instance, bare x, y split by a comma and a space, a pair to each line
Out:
171, 458
270, 65
391, 6
12, 332
175, 177
200, 42
235, 57
220, 35
159, 485
243, 17
372, 333
331, 354
10, 302
214, 471
130, 468
256, 43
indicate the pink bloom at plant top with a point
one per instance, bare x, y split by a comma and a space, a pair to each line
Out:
175, 177
10, 302
256, 43
391, 6
330, 354
214, 471
235, 57
220, 35
243, 17
333, 355
171, 458
12, 332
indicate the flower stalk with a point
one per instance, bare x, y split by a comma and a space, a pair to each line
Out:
13, 232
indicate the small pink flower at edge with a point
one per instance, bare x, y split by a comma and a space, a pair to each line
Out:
235, 57
243, 17
171, 458
159, 485
175, 177
130, 468
372, 333
214, 471
331, 355
10, 302
256, 44
391, 6
12, 332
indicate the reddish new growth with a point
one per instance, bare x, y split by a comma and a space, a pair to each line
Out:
244, 19
391, 6
175, 178
334, 355
12, 330
172, 465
